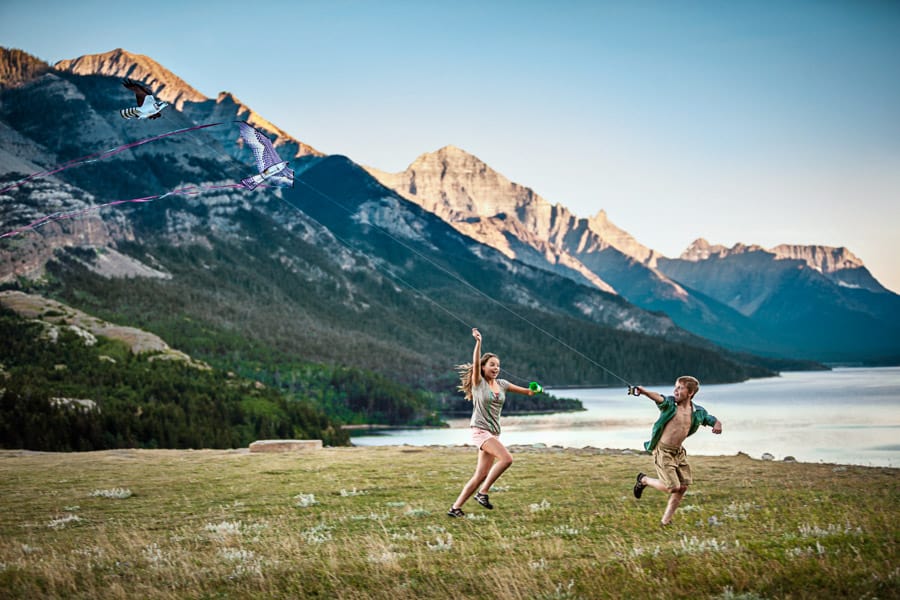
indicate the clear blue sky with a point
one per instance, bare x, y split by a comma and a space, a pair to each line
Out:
759, 121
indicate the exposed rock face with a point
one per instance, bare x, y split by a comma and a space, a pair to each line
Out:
838, 264
27, 253
226, 107
120, 63
57, 314
17, 67
171, 88
746, 276
485, 205
807, 298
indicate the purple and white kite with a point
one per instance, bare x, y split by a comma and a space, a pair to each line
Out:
272, 169
148, 107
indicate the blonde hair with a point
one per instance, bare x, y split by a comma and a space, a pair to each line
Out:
465, 374
691, 383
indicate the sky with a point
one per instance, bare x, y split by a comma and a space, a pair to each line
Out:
759, 122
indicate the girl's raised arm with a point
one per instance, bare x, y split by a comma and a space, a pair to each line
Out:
476, 358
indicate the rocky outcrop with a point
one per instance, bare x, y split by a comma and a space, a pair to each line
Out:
488, 207
171, 88
17, 67
226, 107
56, 315
838, 265
121, 63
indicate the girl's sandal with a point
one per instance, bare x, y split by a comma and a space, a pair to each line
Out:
482, 499
456, 512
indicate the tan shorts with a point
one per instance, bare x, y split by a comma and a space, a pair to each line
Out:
672, 466
480, 436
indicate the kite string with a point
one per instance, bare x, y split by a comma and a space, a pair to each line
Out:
468, 285
102, 154
59, 216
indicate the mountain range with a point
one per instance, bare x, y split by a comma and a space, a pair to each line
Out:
386, 272
812, 302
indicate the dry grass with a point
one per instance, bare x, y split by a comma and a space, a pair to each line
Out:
370, 523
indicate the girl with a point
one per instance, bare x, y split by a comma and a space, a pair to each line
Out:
487, 393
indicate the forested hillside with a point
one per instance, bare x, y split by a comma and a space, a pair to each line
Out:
60, 392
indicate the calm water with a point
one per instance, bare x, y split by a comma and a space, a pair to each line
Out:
846, 416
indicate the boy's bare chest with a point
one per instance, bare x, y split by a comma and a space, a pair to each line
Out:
681, 421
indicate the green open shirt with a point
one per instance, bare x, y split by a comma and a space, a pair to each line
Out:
699, 417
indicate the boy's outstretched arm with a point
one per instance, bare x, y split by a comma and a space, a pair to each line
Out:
652, 395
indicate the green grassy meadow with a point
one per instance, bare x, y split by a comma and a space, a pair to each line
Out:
371, 523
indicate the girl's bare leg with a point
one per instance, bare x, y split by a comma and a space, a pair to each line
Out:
481, 471
504, 459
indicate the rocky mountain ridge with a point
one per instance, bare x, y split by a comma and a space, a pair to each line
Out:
715, 297
337, 270
170, 87
492, 212
832, 262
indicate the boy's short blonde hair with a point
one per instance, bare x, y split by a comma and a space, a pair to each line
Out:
691, 383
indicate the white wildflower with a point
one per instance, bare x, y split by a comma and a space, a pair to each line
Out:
305, 500
409, 536
441, 543
538, 564
153, 554
63, 521
566, 531
737, 510
369, 517
237, 554
694, 545
353, 492
808, 531
317, 535
224, 529
115, 493
544, 505
385, 557
247, 562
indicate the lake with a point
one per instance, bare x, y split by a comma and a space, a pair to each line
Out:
844, 416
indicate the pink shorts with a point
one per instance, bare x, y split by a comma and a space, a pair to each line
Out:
480, 436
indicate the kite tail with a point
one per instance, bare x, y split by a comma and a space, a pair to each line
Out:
190, 190
105, 154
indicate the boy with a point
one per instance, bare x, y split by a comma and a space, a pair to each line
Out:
679, 417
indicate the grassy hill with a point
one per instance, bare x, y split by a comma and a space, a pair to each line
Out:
370, 523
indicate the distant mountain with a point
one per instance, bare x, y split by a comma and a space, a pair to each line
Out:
338, 270
171, 88
119, 63
717, 302
17, 67
485, 205
816, 301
